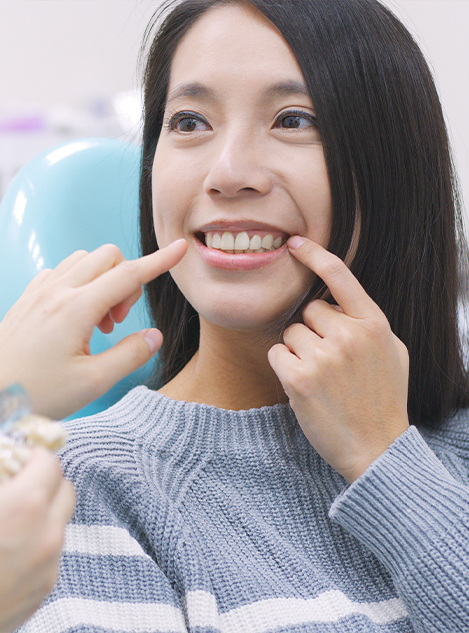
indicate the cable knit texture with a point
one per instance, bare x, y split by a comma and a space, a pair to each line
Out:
193, 518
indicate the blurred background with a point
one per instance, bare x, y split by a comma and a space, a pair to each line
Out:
68, 69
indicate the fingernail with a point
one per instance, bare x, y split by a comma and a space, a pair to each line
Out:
153, 338
295, 242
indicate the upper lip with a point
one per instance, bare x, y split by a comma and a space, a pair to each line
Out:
239, 225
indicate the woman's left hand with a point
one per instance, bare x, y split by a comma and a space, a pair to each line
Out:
344, 371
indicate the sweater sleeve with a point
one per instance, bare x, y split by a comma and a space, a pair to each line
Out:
414, 516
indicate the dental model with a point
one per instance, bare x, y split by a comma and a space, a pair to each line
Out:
21, 431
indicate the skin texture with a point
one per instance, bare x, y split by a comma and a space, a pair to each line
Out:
223, 156
35, 506
44, 338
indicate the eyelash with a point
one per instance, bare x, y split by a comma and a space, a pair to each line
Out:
173, 121
297, 114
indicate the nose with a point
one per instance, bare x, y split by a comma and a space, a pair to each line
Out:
238, 168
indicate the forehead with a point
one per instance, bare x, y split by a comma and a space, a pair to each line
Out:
233, 42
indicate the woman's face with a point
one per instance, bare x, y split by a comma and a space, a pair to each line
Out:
239, 167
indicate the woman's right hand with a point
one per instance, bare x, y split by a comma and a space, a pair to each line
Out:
35, 506
44, 338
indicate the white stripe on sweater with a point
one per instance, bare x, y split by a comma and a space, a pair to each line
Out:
111, 616
330, 606
104, 540
259, 617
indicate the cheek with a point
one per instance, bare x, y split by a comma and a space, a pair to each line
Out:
176, 183
318, 217
309, 186
168, 202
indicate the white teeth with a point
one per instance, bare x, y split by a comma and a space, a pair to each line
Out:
241, 243
256, 242
227, 241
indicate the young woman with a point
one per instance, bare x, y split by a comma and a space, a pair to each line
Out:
304, 466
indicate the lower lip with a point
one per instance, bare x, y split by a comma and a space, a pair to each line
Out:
243, 262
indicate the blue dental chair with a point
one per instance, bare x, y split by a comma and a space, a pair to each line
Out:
78, 195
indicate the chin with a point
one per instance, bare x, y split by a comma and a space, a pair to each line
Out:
244, 303
248, 318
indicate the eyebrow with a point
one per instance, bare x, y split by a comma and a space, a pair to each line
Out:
287, 89
192, 90
204, 93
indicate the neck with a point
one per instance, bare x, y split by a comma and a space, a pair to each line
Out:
229, 371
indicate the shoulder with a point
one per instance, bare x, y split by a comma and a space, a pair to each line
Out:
450, 442
111, 434
453, 433
136, 405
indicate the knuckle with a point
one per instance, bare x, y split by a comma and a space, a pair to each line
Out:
111, 250
313, 308
49, 303
129, 267
291, 330
347, 341
273, 356
403, 352
309, 311
379, 327
42, 274
332, 268
42, 294
302, 381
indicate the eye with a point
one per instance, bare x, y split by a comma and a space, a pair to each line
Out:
296, 120
188, 122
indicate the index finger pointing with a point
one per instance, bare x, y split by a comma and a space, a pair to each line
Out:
121, 282
344, 286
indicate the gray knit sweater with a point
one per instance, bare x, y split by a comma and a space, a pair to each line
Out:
193, 518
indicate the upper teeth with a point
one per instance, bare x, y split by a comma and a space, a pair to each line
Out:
241, 242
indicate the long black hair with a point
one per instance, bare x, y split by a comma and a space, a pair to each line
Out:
389, 168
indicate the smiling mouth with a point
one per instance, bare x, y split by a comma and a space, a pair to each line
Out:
239, 242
